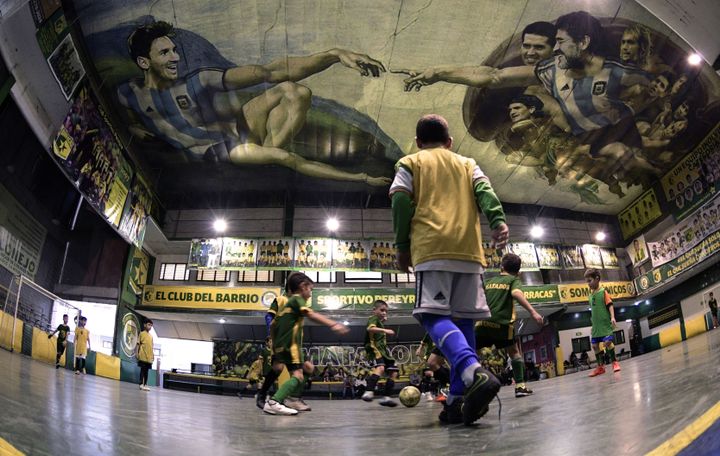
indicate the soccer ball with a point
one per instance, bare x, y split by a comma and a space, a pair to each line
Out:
409, 396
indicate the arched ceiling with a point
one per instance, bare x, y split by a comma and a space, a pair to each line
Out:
339, 103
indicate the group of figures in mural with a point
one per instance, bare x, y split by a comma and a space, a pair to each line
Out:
292, 253
591, 100
686, 235
363, 255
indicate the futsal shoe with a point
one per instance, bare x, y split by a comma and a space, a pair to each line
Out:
387, 402
297, 404
275, 408
616, 366
452, 414
57, 366
260, 400
368, 396
522, 391
479, 395
598, 371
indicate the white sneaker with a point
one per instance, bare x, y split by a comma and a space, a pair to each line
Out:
275, 408
368, 396
429, 397
146, 388
84, 371
141, 387
297, 404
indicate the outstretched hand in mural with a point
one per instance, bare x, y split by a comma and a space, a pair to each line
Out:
207, 113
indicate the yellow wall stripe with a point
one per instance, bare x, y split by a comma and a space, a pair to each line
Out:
107, 366
670, 336
43, 349
8, 450
682, 439
6, 324
695, 326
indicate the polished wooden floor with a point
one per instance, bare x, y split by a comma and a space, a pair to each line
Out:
49, 412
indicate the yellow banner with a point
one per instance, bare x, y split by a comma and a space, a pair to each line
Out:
579, 292
209, 297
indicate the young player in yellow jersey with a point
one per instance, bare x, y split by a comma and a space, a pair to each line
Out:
437, 197
82, 345
286, 332
145, 353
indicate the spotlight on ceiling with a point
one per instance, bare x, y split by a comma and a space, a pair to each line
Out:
219, 225
694, 59
222, 320
346, 323
600, 236
537, 231
333, 224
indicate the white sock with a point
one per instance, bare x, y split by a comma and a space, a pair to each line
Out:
468, 375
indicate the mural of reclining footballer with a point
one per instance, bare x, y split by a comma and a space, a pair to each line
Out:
588, 88
204, 113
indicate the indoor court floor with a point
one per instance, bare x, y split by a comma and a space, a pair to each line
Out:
668, 397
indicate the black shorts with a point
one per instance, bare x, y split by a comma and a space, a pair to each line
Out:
488, 333
60, 348
285, 360
388, 363
144, 364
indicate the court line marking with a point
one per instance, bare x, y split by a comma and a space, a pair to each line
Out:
685, 437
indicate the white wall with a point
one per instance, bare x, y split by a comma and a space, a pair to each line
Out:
180, 353
698, 303
566, 337
101, 324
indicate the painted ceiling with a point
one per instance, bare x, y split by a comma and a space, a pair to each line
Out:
254, 96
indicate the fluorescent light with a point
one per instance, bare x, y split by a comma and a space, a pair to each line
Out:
600, 236
222, 320
345, 322
537, 231
694, 59
220, 225
333, 224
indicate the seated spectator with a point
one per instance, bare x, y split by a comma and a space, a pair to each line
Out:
574, 360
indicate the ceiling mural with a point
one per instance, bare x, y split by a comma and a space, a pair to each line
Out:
559, 107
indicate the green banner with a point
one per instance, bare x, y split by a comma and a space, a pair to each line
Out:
688, 185
708, 247
362, 298
21, 237
540, 294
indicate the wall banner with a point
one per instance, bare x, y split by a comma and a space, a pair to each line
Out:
223, 298
21, 237
694, 180
709, 246
362, 298
539, 294
579, 292
639, 214
686, 235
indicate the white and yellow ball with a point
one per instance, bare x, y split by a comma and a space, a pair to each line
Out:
409, 396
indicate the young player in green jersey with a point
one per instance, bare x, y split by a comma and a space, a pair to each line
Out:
287, 333
501, 293
379, 355
603, 324
62, 331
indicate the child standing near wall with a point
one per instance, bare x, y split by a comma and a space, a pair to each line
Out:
82, 345
603, 324
145, 354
